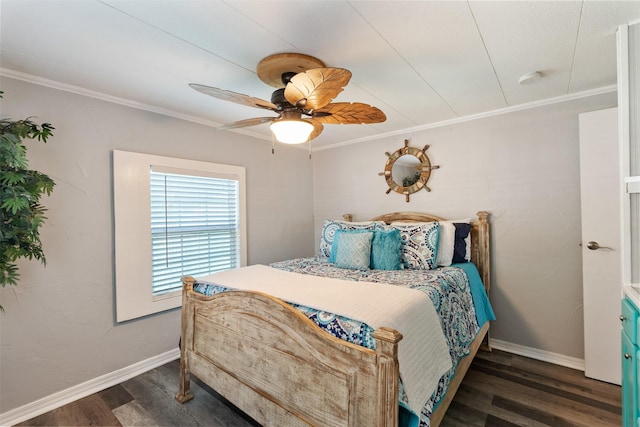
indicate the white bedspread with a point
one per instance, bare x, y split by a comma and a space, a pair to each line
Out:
422, 353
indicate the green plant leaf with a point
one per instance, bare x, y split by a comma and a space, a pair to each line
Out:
21, 214
11, 177
9, 274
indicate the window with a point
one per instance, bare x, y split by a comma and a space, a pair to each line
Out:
194, 227
173, 217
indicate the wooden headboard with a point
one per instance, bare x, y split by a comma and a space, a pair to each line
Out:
480, 249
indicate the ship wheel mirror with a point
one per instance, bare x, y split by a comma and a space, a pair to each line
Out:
407, 170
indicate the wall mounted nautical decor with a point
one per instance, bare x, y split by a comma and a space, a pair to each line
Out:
407, 170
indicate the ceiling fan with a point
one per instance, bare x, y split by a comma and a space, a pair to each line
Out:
302, 100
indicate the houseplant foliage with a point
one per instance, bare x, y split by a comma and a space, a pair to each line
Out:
21, 214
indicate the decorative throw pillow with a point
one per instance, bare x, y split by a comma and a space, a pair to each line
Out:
467, 242
353, 249
462, 246
454, 234
336, 241
386, 250
419, 244
329, 230
446, 242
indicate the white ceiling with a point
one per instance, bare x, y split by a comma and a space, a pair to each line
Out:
421, 62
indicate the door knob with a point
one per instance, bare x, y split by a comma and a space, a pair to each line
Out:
595, 246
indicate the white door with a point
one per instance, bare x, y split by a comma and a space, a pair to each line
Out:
599, 190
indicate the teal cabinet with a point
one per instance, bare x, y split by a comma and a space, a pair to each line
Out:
630, 353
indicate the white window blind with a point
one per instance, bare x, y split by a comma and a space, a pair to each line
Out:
194, 227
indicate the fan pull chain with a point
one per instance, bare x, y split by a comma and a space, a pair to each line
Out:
273, 144
309, 143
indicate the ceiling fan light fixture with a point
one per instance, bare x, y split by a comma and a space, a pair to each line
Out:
291, 131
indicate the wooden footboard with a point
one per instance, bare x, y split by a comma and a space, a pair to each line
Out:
276, 365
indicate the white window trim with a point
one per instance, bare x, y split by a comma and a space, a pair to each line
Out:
132, 224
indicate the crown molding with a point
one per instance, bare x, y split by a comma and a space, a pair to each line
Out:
30, 78
462, 119
171, 113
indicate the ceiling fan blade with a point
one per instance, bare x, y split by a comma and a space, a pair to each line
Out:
317, 128
316, 88
247, 122
348, 113
238, 98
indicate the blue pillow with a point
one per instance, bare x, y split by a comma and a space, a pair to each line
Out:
352, 250
329, 229
334, 242
386, 253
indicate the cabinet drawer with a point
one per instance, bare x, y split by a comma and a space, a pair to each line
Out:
630, 320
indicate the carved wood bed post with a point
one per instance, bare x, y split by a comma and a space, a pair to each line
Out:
484, 267
184, 394
483, 247
388, 374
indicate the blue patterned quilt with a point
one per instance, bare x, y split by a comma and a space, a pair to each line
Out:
450, 289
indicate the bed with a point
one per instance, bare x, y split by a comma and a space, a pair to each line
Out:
270, 359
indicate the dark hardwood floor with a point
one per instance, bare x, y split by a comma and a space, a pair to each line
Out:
500, 389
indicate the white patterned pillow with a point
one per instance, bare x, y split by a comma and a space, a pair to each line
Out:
419, 244
329, 230
353, 249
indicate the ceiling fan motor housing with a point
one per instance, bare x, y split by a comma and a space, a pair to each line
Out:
277, 97
286, 77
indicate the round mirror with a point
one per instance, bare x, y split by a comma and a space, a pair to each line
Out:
407, 170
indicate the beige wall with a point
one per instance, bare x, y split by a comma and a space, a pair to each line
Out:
523, 167
58, 329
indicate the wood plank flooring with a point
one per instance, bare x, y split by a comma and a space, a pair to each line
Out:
500, 389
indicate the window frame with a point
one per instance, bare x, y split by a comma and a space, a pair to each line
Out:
132, 227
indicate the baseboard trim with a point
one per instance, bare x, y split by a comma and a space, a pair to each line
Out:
534, 353
85, 389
